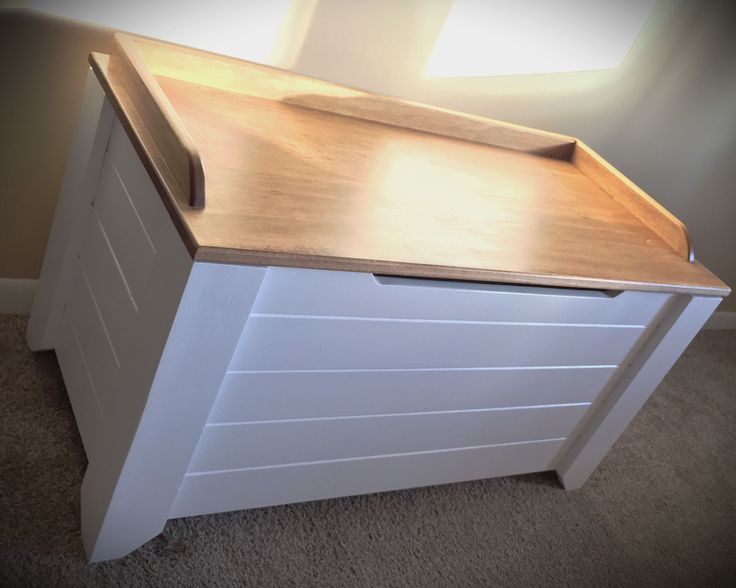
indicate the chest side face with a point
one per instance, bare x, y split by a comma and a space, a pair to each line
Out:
127, 276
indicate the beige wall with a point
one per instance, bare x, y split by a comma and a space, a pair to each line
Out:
665, 117
43, 63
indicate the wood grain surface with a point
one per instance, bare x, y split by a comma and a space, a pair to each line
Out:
291, 185
642, 206
166, 139
253, 79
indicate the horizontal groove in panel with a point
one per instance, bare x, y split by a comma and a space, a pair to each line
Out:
203, 494
297, 291
429, 369
442, 321
290, 395
261, 444
394, 414
293, 344
371, 457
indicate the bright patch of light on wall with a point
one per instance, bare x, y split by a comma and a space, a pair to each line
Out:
246, 29
510, 37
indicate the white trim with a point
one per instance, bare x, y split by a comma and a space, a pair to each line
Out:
640, 374
16, 295
723, 319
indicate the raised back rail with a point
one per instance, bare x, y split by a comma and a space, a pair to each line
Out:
159, 129
136, 62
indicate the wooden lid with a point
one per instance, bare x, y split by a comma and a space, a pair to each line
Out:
286, 170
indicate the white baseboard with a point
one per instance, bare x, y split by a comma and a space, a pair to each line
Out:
722, 320
16, 296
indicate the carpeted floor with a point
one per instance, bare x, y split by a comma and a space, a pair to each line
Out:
660, 510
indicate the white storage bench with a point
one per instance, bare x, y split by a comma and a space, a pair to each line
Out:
205, 385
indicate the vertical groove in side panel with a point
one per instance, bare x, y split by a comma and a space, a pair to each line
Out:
99, 315
117, 263
134, 209
93, 340
106, 287
80, 388
86, 369
125, 229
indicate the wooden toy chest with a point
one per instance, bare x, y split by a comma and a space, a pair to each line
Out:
263, 289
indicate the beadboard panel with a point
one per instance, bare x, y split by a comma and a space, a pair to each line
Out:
304, 343
259, 396
124, 230
142, 194
88, 321
215, 492
78, 381
124, 296
108, 287
266, 443
295, 291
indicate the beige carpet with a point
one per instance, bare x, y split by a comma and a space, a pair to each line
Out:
660, 510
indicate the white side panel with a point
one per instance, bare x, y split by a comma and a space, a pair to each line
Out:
123, 225
259, 396
120, 336
227, 447
147, 336
294, 291
101, 358
207, 493
683, 321
77, 189
82, 394
124, 504
298, 343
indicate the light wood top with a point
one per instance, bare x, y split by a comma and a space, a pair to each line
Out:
299, 186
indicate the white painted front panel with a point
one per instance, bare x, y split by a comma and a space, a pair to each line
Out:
224, 447
307, 292
206, 493
342, 375
258, 396
306, 343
